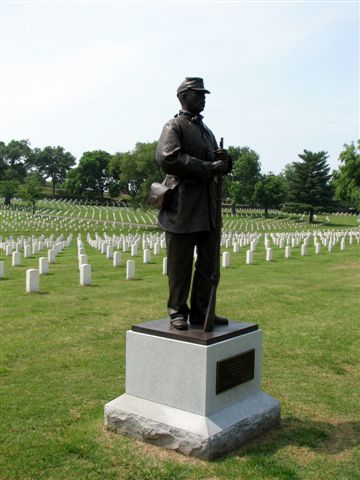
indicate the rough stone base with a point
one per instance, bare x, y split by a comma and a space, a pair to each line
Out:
189, 433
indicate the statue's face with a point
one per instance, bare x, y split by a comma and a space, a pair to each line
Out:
194, 101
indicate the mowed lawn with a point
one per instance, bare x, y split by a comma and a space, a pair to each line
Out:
63, 358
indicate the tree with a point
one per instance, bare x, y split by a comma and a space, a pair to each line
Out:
9, 185
136, 170
31, 189
52, 162
91, 175
244, 176
347, 178
14, 158
309, 184
288, 174
270, 191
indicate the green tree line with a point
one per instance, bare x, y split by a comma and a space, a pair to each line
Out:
305, 185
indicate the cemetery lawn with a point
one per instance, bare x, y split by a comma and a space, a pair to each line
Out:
63, 358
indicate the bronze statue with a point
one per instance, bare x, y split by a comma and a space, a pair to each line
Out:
189, 155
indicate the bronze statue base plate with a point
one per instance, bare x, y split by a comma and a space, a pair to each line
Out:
162, 328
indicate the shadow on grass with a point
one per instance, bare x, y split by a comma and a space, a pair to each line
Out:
321, 437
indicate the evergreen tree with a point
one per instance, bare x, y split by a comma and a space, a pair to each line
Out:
309, 184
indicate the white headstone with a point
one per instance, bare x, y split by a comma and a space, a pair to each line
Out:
342, 244
16, 259
317, 248
156, 248
146, 256
1, 269
130, 270
287, 251
134, 249
249, 257
32, 280
83, 259
164, 266
43, 266
269, 254
226, 259
85, 275
117, 259
303, 250
109, 252
51, 255
27, 251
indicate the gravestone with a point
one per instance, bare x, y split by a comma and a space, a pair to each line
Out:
51, 255
32, 280
43, 266
156, 248
16, 259
83, 259
130, 270
85, 275
226, 259
164, 266
117, 259
146, 256
134, 249
249, 257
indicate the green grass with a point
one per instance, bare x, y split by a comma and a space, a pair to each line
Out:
63, 358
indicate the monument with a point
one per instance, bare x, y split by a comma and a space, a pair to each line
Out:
193, 381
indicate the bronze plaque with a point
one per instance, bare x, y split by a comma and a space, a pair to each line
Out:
235, 370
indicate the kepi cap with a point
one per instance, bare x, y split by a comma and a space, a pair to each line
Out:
192, 83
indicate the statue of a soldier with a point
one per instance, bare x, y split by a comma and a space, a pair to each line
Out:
188, 153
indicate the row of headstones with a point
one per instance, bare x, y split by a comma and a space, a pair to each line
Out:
32, 274
290, 239
32, 245
128, 243
104, 247
85, 271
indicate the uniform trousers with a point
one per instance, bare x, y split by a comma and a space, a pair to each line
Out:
180, 253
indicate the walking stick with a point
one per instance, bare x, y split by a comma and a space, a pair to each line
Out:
210, 314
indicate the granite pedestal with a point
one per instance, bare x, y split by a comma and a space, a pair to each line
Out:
194, 392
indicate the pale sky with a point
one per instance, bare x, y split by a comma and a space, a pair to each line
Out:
86, 75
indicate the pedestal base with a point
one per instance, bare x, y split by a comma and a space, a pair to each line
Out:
193, 392
188, 433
